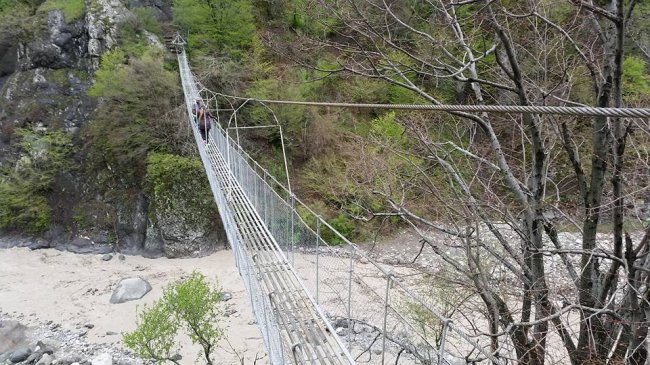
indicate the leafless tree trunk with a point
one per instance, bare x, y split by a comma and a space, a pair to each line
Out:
533, 52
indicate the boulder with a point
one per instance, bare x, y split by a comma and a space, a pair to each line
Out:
44, 348
225, 296
12, 334
130, 289
20, 354
46, 359
103, 359
39, 243
34, 357
68, 359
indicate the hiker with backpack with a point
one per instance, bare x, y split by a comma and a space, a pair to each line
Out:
205, 123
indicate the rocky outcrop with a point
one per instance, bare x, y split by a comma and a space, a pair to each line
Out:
63, 46
172, 237
48, 343
101, 20
43, 86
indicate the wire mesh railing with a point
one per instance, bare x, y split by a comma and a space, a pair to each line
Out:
378, 318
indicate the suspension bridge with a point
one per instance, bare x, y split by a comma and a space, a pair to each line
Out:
314, 302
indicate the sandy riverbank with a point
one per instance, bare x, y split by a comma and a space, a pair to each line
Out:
74, 290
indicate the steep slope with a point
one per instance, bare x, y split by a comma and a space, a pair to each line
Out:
56, 183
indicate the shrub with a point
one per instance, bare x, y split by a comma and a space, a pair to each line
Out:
635, 78
190, 305
178, 185
23, 208
72, 9
127, 125
219, 25
24, 189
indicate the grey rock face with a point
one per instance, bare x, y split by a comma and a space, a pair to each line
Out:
20, 354
102, 31
176, 240
63, 48
130, 289
85, 245
132, 226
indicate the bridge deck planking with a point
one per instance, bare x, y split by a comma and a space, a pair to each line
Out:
290, 306
300, 323
293, 304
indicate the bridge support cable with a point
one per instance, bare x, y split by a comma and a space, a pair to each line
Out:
294, 330
362, 310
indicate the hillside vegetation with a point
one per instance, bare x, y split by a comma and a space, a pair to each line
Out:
498, 188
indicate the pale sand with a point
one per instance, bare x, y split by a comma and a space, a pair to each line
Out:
73, 290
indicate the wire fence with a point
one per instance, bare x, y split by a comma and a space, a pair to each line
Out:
376, 316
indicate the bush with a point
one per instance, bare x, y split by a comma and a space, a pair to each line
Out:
190, 305
18, 23
72, 9
24, 189
178, 185
23, 208
216, 26
127, 123
635, 79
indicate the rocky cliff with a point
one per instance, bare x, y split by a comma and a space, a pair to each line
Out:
47, 65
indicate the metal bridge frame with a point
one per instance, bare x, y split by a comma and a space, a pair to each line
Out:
290, 299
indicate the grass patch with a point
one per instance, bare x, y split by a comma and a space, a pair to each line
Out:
72, 9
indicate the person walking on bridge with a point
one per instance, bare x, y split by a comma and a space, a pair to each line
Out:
196, 106
205, 123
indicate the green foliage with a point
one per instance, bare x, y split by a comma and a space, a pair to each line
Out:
112, 70
190, 305
194, 303
126, 125
155, 336
6, 4
387, 130
316, 22
343, 224
17, 22
72, 9
177, 185
635, 78
146, 18
23, 208
133, 32
216, 25
23, 190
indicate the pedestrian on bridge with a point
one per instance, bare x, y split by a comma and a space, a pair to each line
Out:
205, 123
196, 107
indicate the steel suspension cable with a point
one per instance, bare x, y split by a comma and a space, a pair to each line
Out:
534, 109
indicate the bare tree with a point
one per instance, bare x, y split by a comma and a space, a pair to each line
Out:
508, 177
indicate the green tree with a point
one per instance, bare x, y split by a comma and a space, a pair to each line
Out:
216, 25
155, 337
194, 304
190, 305
127, 123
